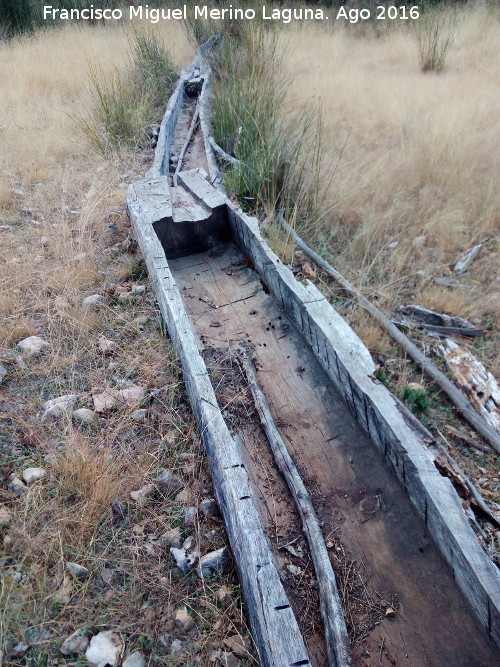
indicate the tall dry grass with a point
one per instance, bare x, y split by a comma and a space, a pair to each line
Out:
414, 154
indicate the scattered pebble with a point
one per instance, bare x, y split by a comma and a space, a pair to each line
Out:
106, 346
142, 495
3, 374
390, 613
214, 562
76, 643
67, 400
183, 620
139, 415
33, 346
32, 475
183, 560
190, 516
5, 516
142, 320
169, 483
64, 592
209, 509
84, 415
138, 289
134, 660
93, 302
17, 486
20, 650
105, 648
236, 645
77, 571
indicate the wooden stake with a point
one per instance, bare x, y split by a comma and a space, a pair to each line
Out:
454, 394
337, 640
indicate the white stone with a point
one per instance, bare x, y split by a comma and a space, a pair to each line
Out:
214, 562
190, 516
105, 401
169, 483
66, 401
105, 649
84, 415
183, 560
44, 241
141, 495
76, 643
183, 620
139, 415
94, 302
138, 289
134, 660
32, 475
34, 346
3, 374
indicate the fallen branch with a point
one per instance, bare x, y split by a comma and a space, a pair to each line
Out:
186, 143
337, 640
220, 151
454, 394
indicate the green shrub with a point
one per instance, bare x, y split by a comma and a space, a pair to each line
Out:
417, 400
16, 16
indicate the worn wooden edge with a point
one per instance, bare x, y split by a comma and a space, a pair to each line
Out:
272, 622
349, 366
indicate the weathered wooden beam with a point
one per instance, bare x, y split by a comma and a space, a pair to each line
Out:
337, 640
454, 394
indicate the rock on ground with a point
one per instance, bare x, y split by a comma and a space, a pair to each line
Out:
141, 495
77, 571
5, 516
134, 660
93, 302
183, 620
84, 415
32, 475
76, 643
3, 374
214, 562
169, 483
17, 486
105, 648
67, 401
34, 346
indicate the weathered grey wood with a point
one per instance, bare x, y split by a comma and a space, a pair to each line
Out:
189, 136
455, 396
196, 181
274, 627
463, 262
220, 151
337, 640
206, 127
349, 365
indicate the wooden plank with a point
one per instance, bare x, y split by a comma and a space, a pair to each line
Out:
339, 351
274, 627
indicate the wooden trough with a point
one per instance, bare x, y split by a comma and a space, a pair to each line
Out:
219, 286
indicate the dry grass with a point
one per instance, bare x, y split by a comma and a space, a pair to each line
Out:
64, 236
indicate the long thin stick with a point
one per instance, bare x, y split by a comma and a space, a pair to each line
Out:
455, 396
186, 143
337, 640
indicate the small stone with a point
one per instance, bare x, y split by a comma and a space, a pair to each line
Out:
84, 415
223, 594
293, 569
134, 660
183, 620
228, 659
214, 562
16, 486
67, 400
183, 560
56, 412
94, 302
169, 483
105, 648
173, 538
44, 241
5, 516
419, 241
106, 346
120, 510
133, 395
393, 245
77, 571
176, 647
138, 289
64, 593
75, 643
236, 645
105, 401
208, 507
20, 650
142, 320
182, 497
139, 415
142, 495
34, 346
390, 613
32, 475
190, 516
3, 374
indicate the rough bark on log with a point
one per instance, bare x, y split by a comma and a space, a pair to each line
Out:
220, 151
336, 636
186, 143
465, 260
454, 394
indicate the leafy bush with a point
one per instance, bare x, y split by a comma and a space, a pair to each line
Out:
417, 400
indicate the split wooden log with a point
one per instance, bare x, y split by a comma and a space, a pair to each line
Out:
439, 322
454, 394
466, 258
186, 143
336, 636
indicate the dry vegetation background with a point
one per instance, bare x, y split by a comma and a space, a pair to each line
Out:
410, 155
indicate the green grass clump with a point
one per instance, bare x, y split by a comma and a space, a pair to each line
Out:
278, 155
435, 30
417, 400
126, 102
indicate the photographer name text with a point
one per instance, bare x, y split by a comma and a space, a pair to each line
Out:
208, 12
